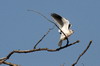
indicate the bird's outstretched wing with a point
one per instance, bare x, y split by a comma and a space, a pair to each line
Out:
61, 21
58, 19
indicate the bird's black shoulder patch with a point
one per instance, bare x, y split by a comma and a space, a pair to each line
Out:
56, 16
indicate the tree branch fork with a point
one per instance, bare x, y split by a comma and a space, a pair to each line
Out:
4, 59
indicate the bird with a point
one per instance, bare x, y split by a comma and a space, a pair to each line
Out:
64, 27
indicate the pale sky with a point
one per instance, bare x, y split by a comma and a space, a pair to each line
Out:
21, 29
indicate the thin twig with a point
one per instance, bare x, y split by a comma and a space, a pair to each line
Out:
82, 53
3, 61
42, 15
10, 64
43, 37
50, 21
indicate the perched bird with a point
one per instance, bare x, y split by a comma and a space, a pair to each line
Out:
64, 25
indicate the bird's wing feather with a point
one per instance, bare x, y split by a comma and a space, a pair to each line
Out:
58, 19
66, 23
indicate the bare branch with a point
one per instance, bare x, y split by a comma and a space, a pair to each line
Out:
34, 50
82, 53
3, 61
43, 37
10, 64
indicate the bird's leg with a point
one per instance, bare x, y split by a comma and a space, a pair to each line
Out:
67, 41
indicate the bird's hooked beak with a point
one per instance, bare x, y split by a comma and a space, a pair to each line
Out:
72, 31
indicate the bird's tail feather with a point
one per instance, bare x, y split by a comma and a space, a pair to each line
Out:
60, 43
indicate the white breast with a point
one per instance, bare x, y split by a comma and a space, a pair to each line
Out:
67, 32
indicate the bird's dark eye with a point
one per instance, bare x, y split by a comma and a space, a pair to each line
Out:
59, 32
